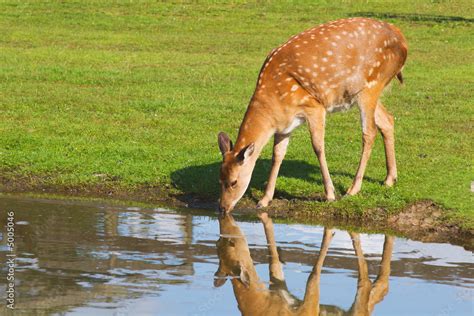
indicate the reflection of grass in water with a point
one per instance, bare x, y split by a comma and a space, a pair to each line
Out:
135, 94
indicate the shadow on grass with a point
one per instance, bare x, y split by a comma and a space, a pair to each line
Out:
202, 181
413, 17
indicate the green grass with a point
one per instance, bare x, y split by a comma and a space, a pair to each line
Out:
138, 92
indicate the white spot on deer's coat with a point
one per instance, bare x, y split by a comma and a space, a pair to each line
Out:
371, 83
294, 88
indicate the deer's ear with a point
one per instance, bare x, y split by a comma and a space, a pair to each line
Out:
219, 278
244, 276
245, 153
225, 144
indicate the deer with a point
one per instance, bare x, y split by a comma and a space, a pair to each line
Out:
254, 298
325, 69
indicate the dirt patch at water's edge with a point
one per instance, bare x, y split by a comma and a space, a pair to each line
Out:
423, 220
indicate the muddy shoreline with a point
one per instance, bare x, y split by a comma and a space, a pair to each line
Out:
423, 220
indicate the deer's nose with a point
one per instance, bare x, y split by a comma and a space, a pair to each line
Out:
225, 209
221, 208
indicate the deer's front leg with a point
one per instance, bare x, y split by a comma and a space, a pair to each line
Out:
316, 122
367, 104
279, 151
277, 278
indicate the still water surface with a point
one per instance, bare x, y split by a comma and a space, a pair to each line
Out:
78, 259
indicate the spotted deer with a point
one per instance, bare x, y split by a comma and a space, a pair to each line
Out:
255, 298
327, 68
252, 295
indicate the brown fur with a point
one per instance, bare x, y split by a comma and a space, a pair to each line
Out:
325, 69
254, 298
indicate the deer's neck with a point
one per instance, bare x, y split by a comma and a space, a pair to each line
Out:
251, 299
256, 128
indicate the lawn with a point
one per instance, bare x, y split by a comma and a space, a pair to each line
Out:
134, 94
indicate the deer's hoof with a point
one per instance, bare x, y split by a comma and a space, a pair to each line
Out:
390, 181
352, 191
263, 203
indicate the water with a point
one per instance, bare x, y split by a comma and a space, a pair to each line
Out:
78, 259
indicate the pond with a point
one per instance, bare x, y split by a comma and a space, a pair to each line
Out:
75, 258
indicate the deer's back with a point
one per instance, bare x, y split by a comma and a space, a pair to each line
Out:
333, 62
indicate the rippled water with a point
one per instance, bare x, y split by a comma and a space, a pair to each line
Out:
93, 260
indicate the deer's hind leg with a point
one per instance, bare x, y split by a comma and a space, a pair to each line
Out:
380, 286
368, 100
385, 123
360, 306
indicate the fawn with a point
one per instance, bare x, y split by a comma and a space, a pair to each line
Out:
327, 68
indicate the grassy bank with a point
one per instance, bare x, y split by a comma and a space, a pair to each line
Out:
132, 95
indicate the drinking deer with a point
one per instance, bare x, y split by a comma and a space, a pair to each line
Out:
254, 298
327, 68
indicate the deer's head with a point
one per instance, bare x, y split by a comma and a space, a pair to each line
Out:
233, 252
235, 172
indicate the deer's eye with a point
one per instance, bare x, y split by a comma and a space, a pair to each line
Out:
233, 183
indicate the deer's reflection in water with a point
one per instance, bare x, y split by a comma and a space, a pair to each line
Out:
253, 296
